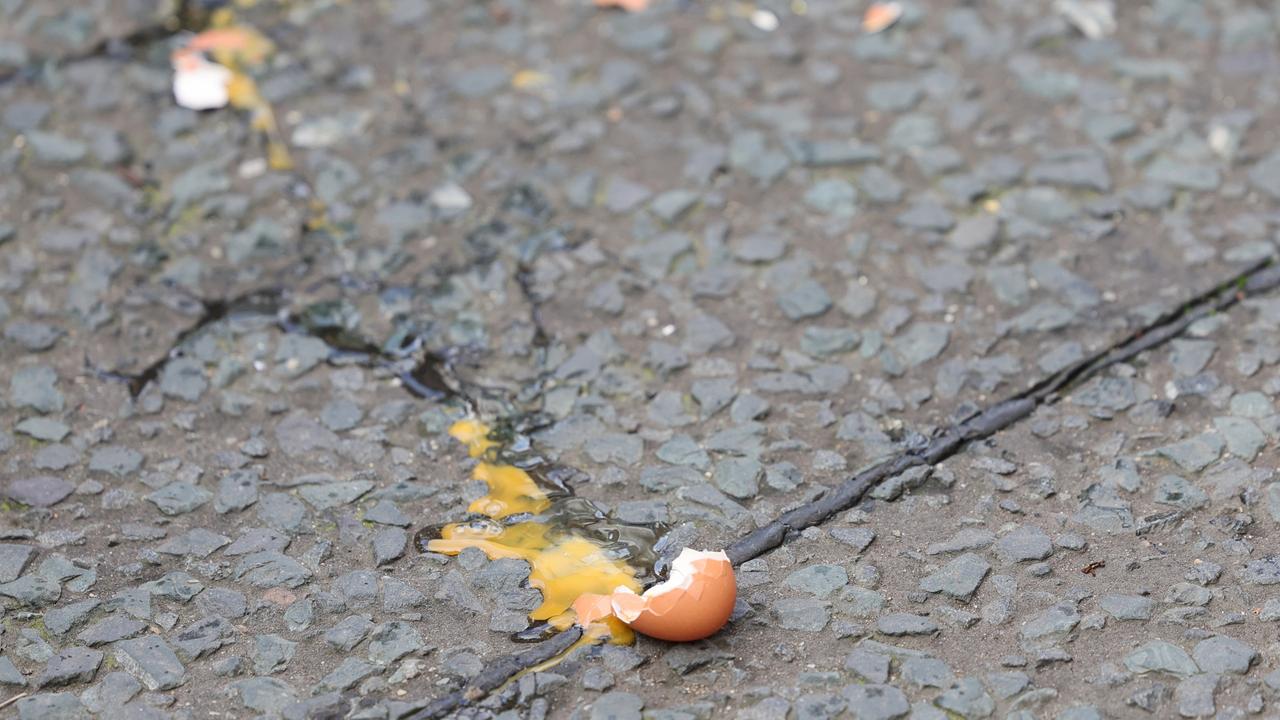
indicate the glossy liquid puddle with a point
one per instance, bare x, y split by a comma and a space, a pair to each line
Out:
530, 513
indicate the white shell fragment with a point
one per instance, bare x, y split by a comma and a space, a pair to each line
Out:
1094, 19
764, 20
199, 84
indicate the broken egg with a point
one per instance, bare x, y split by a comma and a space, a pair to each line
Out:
199, 84
564, 563
693, 603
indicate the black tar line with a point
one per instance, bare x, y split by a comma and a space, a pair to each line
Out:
1258, 279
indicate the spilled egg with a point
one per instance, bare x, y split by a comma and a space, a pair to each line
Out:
579, 561
565, 562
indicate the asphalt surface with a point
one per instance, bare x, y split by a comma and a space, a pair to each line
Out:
717, 269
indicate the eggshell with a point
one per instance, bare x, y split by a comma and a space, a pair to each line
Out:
694, 603
880, 15
199, 84
592, 607
628, 5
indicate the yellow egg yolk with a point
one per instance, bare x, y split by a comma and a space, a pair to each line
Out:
563, 564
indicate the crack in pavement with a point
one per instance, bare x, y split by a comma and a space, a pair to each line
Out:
189, 16
498, 673
265, 301
433, 376
430, 377
524, 280
1260, 278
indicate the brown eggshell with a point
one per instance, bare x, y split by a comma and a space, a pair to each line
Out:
693, 604
590, 607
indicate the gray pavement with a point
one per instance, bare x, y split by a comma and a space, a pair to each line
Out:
712, 268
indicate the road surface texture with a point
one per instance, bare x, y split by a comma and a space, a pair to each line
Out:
713, 258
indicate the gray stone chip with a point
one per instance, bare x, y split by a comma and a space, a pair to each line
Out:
959, 578
152, 661
1024, 544
1161, 656
71, 665
1222, 654
899, 624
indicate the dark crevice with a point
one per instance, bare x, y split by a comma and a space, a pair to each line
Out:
266, 301
1261, 278
423, 373
189, 16
426, 379
524, 280
498, 673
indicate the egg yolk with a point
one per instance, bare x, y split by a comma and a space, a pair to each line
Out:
563, 564
511, 490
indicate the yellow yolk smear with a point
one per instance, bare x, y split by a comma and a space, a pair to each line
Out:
474, 434
563, 565
511, 490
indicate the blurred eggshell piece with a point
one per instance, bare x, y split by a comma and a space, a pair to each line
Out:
879, 16
628, 5
693, 603
199, 84
239, 43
